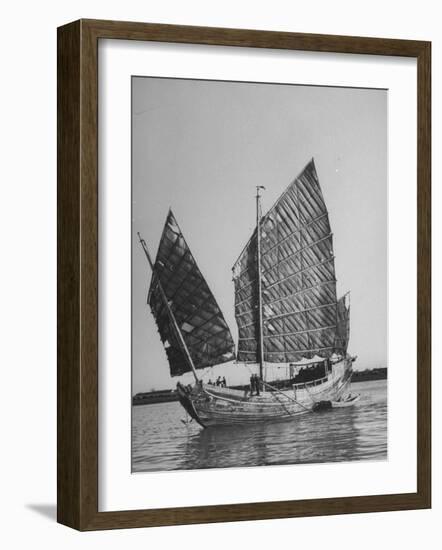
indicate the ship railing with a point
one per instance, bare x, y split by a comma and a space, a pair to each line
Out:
223, 389
310, 384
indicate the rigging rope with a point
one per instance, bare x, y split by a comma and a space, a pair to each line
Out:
285, 395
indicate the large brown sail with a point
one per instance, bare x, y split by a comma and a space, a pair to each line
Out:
299, 305
198, 316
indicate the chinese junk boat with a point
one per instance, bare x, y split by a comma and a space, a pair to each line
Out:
286, 308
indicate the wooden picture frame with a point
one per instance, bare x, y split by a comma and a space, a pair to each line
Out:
77, 225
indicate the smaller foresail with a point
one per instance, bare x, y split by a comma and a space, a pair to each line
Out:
197, 314
342, 325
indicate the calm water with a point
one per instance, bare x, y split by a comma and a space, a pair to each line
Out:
162, 442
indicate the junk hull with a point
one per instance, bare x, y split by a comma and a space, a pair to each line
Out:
212, 405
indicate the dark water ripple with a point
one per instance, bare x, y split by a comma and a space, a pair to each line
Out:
160, 441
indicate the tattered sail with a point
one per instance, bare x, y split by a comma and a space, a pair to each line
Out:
342, 325
194, 307
300, 311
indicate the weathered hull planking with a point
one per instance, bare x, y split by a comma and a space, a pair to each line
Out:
212, 405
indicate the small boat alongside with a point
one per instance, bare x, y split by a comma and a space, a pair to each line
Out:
348, 401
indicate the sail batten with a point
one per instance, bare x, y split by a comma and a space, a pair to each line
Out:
292, 313
198, 317
300, 310
331, 327
290, 275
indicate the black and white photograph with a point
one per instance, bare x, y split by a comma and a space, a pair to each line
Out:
221, 255
259, 274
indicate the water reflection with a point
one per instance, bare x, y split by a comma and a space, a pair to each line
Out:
162, 442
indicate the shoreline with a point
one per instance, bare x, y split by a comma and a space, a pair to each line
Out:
166, 396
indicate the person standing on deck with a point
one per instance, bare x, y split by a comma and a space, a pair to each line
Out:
252, 384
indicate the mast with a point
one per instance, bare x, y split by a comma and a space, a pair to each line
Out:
258, 246
169, 311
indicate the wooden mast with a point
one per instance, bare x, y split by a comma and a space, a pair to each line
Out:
258, 246
169, 311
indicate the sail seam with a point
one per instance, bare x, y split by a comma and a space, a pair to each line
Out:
323, 283
301, 271
298, 230
285, 279
272, 302
272, 317
291, 333
310, 246
295, 312
303, 249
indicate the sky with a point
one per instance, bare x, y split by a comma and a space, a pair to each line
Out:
201, 147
